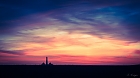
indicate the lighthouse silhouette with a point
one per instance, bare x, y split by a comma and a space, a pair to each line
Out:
46, 60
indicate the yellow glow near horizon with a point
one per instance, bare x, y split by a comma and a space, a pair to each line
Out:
54, 42
78, 45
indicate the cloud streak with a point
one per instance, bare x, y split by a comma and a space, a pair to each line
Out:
12, 52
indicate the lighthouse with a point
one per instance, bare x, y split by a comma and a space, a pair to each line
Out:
46, 60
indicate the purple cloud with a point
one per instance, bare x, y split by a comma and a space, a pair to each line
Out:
12, 52
137, 52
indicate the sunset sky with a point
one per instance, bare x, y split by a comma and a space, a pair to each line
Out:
85, 32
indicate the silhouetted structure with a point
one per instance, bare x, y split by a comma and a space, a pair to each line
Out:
46, 60
50, 63
43, 64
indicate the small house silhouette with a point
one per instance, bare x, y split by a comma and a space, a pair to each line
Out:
43, 64
50, 63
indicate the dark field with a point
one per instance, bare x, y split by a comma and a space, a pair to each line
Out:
69, 71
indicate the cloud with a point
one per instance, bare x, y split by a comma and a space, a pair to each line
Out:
117, 22
12, 52
93, 60
31, 25
117, 19
137, 52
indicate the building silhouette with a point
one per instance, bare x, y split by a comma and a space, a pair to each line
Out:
47, 62
50, 63
43, 64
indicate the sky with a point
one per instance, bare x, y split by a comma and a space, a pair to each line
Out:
70, 32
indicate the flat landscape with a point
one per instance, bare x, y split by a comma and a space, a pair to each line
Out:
69, 71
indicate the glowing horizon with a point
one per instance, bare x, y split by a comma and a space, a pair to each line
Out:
88, 33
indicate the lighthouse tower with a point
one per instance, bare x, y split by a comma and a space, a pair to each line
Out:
46, 60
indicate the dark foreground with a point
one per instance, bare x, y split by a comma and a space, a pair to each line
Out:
69, 71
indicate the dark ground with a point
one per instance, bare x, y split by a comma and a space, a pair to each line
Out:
69, 71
